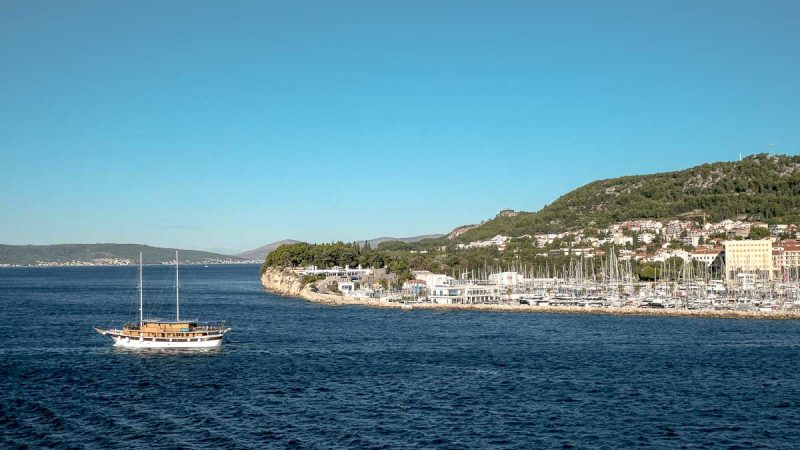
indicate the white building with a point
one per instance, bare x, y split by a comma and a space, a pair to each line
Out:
647, 237
465, 294
346, 287
706, 256
498, 241
622, 240
506, 278
431, 279
335, 271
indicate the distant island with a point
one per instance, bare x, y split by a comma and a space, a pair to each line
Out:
104, 254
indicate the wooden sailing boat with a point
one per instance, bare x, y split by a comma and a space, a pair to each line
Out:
165, 334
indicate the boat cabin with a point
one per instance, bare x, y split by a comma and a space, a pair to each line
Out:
168, 329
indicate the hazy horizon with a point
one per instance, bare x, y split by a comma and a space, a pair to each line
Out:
224, 127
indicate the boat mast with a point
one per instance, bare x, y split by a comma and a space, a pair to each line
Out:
141, 294
177, 291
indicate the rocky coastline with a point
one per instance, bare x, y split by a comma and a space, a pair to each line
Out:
286, 283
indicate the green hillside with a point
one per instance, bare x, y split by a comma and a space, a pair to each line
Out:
760, 187
60, 253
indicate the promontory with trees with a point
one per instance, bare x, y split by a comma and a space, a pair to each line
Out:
754, 194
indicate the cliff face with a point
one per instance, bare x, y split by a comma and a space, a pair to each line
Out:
286, 283
282, 282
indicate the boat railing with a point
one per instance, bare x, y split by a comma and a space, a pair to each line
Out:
207, 327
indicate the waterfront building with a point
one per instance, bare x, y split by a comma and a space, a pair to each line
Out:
336, 271
431, 279
667, 254
413, 288
465, 294
706, 255
748, 257
786, 259
506, 278
791, 252
346, 286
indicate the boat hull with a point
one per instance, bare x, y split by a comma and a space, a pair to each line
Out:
121, 340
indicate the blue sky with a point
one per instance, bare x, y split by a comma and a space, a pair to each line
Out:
227, 125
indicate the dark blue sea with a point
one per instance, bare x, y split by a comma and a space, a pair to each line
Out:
300, 375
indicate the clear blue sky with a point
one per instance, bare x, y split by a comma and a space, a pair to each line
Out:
227, 125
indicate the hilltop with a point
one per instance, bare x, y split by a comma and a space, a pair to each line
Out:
258, 254
760, 187
102, 254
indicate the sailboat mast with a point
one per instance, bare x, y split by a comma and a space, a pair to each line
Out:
141, 293
177, 291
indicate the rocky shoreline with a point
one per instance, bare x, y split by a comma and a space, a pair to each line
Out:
285, 283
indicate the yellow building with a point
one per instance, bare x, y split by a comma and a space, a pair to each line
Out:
748, 257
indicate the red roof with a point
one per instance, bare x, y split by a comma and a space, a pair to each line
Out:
791, 247
707, 251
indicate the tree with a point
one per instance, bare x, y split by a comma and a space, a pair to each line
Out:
758, 233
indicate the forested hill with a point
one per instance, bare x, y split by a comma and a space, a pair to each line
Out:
760, 187
63, 253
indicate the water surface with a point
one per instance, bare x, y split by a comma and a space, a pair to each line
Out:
297, 374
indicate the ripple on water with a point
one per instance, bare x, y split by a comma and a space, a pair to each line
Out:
298, 375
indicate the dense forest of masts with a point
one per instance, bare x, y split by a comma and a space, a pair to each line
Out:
479, 263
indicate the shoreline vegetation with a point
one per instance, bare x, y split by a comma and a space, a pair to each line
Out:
285, 283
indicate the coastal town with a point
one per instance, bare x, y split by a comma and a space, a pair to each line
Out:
95, 262
693, 265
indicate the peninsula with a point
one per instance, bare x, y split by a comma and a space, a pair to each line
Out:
718, 240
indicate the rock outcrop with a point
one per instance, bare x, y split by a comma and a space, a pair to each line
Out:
282, 281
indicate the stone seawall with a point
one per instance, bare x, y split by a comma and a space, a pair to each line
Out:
286, 283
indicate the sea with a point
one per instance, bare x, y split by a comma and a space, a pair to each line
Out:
294, 374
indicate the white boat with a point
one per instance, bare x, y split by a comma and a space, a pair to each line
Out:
165, 334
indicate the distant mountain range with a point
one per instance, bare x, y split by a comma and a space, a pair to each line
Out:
375, 242
102, 253
260, 253
760, 187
